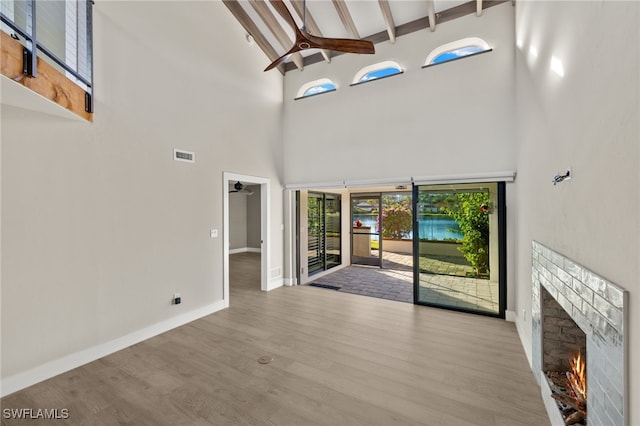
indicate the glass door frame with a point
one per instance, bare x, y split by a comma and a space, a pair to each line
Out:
324, 258
501, 211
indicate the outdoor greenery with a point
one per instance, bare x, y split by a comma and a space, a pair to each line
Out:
396, 216
471, 214
434, 203
396, 222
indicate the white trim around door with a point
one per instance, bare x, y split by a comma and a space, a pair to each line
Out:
265, 229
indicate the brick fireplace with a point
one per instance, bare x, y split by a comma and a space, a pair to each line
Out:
561, 336
575, 310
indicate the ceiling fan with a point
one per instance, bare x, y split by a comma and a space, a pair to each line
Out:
304, 40
239, 188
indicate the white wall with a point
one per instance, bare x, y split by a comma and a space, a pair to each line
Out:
253, 218
244, 219
238, 221
100, 225
455, 118
588, 120
447, 119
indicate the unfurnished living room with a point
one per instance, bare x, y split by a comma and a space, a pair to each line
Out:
345, 212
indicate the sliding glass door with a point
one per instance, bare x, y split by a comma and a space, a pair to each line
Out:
459, 247
323, 229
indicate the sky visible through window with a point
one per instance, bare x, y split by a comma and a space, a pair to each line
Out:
383, 72
320, 88
457, 53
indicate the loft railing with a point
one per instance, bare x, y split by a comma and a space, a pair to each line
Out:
44, 23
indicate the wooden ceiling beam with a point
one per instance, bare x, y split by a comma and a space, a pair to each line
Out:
432, 15
345, 17
388, 19
250, 27
413, 26
312, 26
272, 23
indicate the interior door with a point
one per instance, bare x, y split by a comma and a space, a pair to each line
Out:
366, 241
459, 247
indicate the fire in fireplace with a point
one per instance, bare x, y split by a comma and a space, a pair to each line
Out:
569, 389
578, 377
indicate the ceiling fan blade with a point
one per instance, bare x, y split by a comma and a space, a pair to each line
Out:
280, 60
281, 8
304, 40
341, 44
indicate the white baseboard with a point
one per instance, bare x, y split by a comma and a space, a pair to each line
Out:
510, 316
290, 281
245, 250
35, 375
275, 283
526, 344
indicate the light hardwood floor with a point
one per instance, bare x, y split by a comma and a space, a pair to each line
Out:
338, 359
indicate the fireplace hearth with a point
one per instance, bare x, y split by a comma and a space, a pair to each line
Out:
575, 312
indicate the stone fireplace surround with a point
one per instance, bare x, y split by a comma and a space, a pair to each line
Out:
599, 308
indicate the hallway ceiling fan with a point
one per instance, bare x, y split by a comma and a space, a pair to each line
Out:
305, 41
240, 189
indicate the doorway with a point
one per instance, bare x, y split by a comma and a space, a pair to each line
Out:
397, 230
230, 181
382, 228
366, 244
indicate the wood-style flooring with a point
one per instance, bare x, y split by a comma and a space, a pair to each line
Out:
338, 359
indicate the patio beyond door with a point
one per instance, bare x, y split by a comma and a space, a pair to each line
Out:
459, 247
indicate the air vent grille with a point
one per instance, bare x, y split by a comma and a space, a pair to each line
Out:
186, 156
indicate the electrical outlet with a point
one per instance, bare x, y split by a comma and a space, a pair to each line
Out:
177, 299
214, 233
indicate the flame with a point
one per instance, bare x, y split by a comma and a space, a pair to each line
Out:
578, 375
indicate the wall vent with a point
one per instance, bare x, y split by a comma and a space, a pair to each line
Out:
186, 156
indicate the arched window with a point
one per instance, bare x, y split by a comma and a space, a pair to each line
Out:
457, 49
316, 87
377, 71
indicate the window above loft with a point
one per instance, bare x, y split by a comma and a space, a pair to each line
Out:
316, 87
458, 49
377, 71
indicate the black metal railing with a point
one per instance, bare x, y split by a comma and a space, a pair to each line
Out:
33, 46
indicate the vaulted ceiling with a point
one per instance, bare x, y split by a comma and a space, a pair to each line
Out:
374, 20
